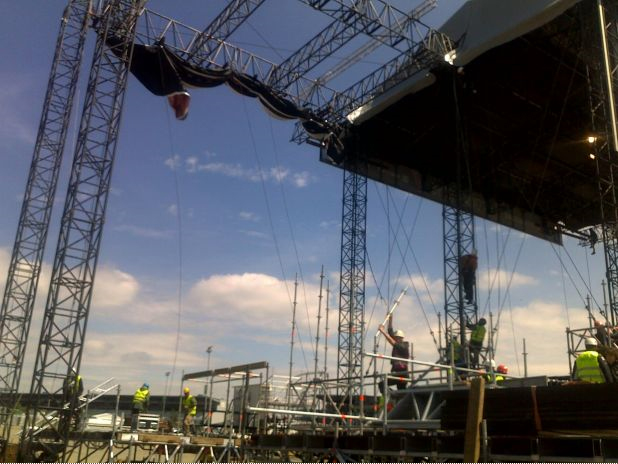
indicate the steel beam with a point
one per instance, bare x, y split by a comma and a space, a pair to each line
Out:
332, 38
235, 13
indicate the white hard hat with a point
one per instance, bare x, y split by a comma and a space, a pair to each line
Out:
490, 363
399, 333
591, 341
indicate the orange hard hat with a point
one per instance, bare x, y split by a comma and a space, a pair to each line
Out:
502, 369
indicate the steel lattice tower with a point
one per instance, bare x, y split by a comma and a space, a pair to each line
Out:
603, 74
66, 313
352, 283
458, 232
25, 265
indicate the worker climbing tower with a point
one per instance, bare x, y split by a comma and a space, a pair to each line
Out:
458, 241
66, 311
26, 259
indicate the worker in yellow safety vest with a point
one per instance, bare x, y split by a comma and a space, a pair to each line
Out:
476, 340
590, 366
189, 407
495, 374
141, 400
72, 390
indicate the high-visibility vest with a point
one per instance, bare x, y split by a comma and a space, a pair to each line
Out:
74, 383
587, 367
498, 377
478, 334
189, 404
141, 395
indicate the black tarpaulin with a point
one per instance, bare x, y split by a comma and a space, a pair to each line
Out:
164, 73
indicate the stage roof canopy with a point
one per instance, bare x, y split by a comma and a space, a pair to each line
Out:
513, 106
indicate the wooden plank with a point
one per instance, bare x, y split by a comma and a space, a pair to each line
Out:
213, 441
472, 439
158, 438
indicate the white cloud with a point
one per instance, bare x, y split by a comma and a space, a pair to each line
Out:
251, 300
229, 170
191, 163
279, 173
143, 231
329, 224
14, 92
423, 287
173, 209
542, 324
255, 233
114, 288
302, 179
494, 277
248, 216
173, 162
237, 171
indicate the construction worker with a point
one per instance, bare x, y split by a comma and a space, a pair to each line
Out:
590, 366
141, 401
401, 349
502, 371
467, 271
72, 389
593, 239
495, 374
189, 407
602, 333
454, 347
476, 340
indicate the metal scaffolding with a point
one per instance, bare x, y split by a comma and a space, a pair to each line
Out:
25, 266
458, 233
66, 314
352, 284
603, 81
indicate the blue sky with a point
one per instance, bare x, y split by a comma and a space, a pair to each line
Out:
210, 219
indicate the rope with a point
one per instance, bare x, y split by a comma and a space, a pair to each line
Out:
564, 294
580, 276
269, 215
507, 293
292, 235
180, 249
404, 264
514, 338
497, 273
